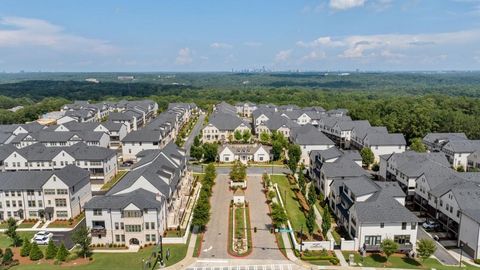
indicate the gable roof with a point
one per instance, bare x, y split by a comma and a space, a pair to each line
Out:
226, 121
141, 198
309, 135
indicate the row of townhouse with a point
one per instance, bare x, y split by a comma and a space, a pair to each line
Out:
59, 194
149, 199
452, 198
136, 113
100, 162
64, 138
222, 125
9, 132
460, 151
369, 211
359, 134
159, 132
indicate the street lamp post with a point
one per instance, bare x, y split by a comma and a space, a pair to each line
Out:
301, 239
461, 254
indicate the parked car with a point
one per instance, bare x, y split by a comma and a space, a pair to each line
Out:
127, 163
42, 237
430, 225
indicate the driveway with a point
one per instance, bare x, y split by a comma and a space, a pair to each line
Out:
66, 236
264, 245
215, 239
195, 131
441, 253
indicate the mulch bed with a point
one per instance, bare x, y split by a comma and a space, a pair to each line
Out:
26, 260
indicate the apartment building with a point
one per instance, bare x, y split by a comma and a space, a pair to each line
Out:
309, 138
52, 195
222, 126
149, 199
100, 162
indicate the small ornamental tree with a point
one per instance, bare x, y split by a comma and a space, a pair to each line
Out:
196, 152
264, 137
294, 153
12, 232
277, 150
238, 135
367, 156
246, 135
210, 152
326, 222
417, 145
51, 251
62, 253
82, 238
301, 182
35, 252
425, 248
278, 215
310, 221
25, 249
388, 247
196, 141
312, 195
7, 257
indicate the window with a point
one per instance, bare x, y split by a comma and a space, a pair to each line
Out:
60, 202
33, 213
62, 191
152, 225
49, 191
97, 212
20, 204
132, 213
13, 193
29, 192
7, 203
153, 238
133, 228
401, 239
14, 203
373, 240
404, 225
117, 238
62, 214
31, 204
40, 203
147, 227
116, 226
19, 193
122, 227
147, 237
6, 194
458, 213
413, 226
123, 237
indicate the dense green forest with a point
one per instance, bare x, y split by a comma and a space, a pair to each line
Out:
410, 103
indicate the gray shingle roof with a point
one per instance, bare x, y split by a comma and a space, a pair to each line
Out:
436, 137
143, 135
141, 198
413, 164
342, 167
226, 121
309, 135
383, 139
463, 146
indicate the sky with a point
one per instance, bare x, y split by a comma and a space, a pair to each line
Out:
322, 35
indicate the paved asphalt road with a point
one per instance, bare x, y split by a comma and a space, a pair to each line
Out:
196, 130
66, 237
264, 245
215, 238
441, 254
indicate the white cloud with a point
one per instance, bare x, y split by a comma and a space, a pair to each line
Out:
321, 41
346, 4
282, 56
26, 32
314, 55
184, 56
220, 45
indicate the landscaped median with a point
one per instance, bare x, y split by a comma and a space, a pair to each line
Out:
240, 234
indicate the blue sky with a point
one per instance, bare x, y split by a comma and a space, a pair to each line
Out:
57, 35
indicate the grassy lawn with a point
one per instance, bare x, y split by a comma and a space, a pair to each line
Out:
294, 210
198, 245
239, 223
118, 261
27, 224
111, 183
6, 242
401, 261
175, 233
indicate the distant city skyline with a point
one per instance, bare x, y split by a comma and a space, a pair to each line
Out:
143, 36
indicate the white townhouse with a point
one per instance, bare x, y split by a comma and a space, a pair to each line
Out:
130, 119
372, 212
100, 162
325, 173
436, 141
149, 199
244, 153
222, 126
406, 167
67, 138
384, 143
9, 132
309, 138
115, 131
457, 152
262, 114
245, 109
52, 195
473, 161
276, 123
318, 157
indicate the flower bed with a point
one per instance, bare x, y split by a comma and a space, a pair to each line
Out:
240, 235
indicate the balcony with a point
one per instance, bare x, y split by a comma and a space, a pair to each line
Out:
98, 232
